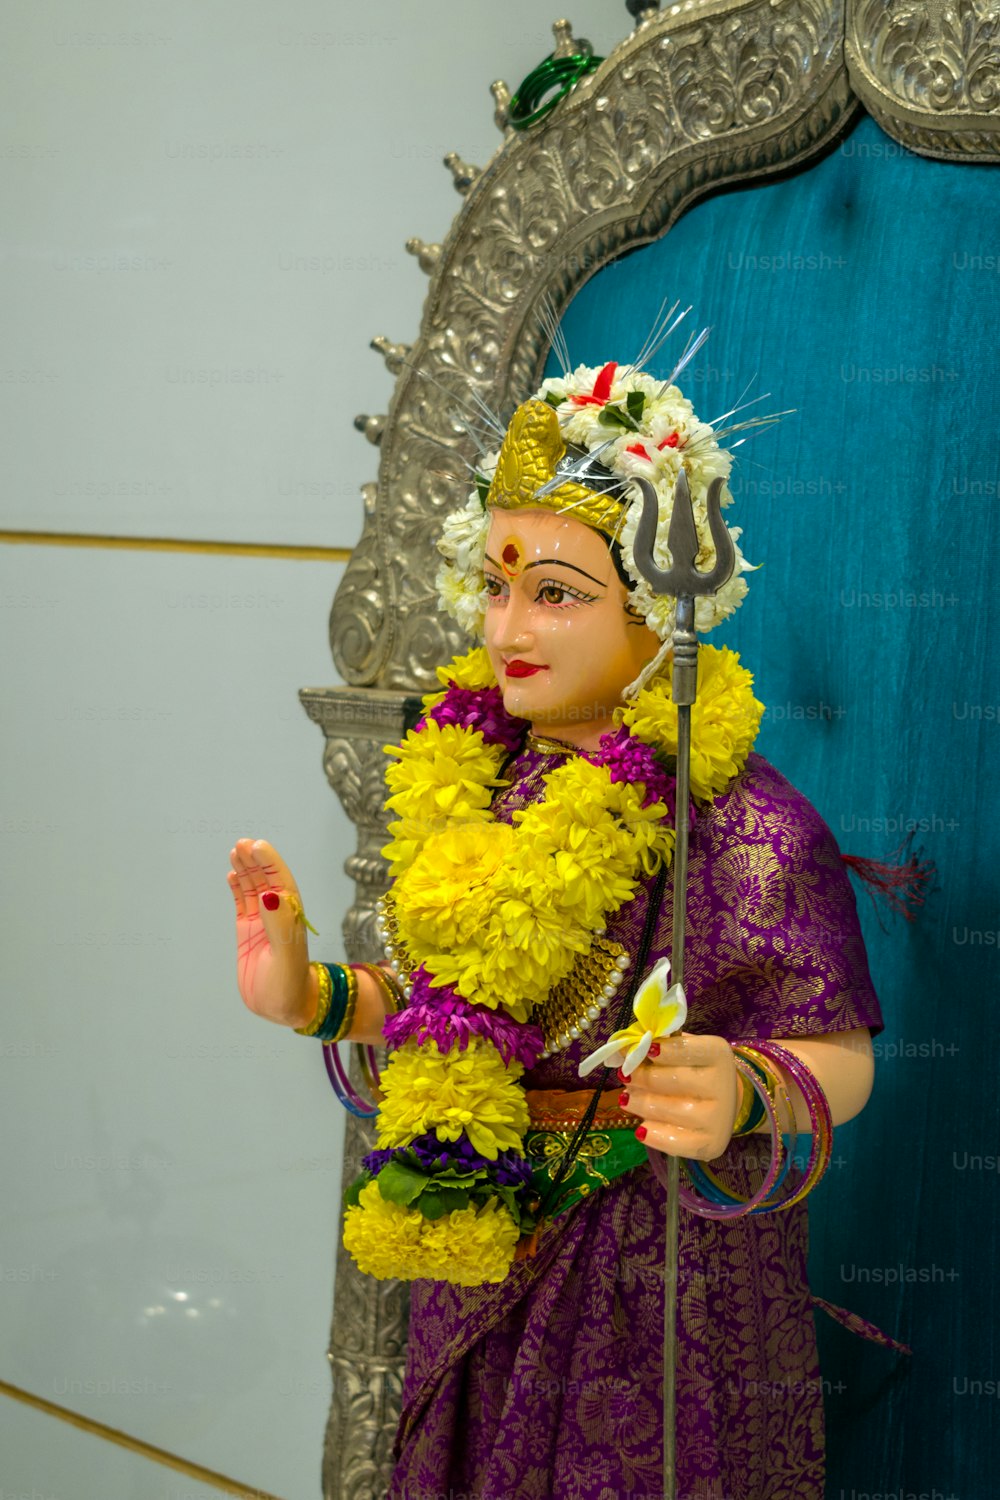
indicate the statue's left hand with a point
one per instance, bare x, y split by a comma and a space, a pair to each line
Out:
686, 1096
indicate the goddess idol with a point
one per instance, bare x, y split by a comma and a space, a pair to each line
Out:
528, 929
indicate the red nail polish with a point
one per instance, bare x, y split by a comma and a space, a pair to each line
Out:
640, 1133
623, 1100
624, 1077
654, 1050
271, 900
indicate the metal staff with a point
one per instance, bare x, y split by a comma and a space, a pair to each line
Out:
683, 581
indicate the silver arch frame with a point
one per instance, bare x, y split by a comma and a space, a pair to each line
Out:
707, 93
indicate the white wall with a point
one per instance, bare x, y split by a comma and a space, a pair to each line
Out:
205, 204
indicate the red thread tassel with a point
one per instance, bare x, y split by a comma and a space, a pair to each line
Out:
901, 883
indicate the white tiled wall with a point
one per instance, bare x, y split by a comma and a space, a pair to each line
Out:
205, 206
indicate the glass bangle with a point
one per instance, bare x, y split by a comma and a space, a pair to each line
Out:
709, 1209
816, 1101
343, 1000
529, 105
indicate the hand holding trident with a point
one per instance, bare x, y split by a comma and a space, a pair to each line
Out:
683, 581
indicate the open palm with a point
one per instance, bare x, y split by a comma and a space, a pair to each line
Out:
272, 954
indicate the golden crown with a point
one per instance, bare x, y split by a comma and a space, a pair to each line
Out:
533, 449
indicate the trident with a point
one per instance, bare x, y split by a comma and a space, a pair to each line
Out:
685, 583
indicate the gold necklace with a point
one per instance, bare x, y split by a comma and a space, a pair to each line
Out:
546, 746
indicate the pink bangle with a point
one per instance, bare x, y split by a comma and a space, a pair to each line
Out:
703, 1206
820, 1118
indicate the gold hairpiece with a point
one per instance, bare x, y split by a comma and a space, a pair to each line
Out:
529, 459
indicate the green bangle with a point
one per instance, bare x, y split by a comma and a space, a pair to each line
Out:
529, 105
338, 993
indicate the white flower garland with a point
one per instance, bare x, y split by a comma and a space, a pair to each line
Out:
671, 437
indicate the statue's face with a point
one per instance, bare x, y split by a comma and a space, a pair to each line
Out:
559, 637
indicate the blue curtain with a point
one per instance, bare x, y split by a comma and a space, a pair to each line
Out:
865, 293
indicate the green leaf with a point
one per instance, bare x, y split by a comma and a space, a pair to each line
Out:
514, 1202
482, 488
450, 1177
616, 416
636, 401
352, 1193
401, 1184
436, 1202
553, 399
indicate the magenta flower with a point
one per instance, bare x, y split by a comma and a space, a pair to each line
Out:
629, 759
482, 709
437, 1014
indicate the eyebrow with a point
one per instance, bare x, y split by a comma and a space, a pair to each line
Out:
552, 562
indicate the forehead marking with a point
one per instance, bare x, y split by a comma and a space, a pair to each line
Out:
512, 556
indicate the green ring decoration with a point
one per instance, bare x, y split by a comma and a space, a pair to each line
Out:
529, 105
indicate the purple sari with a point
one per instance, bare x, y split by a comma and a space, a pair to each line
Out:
548, 1386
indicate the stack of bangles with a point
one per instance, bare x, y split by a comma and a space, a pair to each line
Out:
338, 999
764, 1097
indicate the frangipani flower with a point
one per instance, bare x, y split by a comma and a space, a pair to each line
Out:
658, 1012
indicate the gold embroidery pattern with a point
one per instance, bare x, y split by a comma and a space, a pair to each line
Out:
545, 1150
574, 1338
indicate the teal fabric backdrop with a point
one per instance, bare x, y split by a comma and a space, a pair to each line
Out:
865, 293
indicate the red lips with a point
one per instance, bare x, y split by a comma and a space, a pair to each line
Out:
522, 668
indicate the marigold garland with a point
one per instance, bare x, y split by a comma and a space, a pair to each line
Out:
725, 718
471, 1091
469, 1246
491, 917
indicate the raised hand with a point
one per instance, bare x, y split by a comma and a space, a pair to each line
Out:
272, 954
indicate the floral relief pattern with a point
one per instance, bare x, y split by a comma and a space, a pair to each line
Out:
684, 105
928, 73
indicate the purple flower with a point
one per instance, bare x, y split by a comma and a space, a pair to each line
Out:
630, 759
376, 1160
438, 1014
482, 709
433, 1156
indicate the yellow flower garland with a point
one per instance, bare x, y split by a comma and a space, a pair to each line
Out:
467, 1247
725, 718
471, 1091
500, 913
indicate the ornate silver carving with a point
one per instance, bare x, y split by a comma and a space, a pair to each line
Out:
501, 100
720, 92
462, 174
372, 427
395, 355
366, 1354
710, 92
427, 255
929, 73
368, 1331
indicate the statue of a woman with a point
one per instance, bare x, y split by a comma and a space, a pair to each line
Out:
531, 892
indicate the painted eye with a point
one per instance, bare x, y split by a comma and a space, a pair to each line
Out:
495, 589
551, 591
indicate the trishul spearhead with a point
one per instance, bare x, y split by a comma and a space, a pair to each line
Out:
682, 580
682, 577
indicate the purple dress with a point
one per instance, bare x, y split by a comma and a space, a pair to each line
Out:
548, 1386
